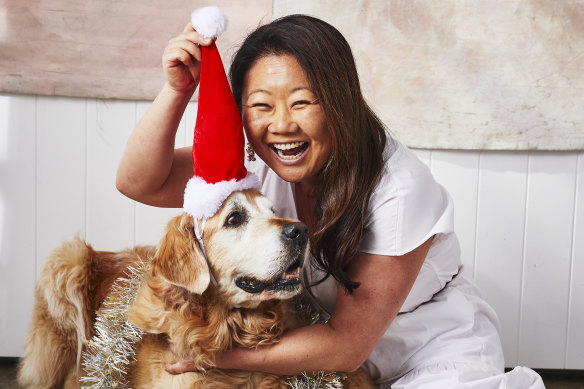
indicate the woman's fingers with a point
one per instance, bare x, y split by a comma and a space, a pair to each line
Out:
182, 59
188, 43
180, 367
176, 47
190, 33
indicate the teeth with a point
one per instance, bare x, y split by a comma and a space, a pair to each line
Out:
281, 148
287, 146
291, 274
283, 156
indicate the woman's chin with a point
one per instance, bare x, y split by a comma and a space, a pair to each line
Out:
290, 173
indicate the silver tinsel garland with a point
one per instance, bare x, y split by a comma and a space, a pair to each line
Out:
111, 350
320, 380
306, 311
109, 353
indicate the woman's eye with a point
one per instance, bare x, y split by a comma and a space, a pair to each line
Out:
260, 105
300, 103
234, 219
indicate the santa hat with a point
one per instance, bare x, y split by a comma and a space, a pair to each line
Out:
218, 146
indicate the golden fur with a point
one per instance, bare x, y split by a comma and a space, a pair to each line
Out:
174, 305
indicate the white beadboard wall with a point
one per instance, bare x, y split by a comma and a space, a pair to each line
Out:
519, 216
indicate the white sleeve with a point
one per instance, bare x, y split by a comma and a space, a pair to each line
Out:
407, 207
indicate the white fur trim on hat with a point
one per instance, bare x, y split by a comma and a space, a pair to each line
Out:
209, 21
204, 200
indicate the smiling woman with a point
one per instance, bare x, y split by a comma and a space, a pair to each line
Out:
285, 124
385, 262
291, 89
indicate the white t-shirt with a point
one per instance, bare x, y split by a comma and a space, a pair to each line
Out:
444, 325
407, 207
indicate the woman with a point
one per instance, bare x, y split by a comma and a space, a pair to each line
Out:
386, 263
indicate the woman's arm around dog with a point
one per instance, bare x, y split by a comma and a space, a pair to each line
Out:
356, 325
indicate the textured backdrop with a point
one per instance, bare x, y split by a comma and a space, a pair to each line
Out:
448, 74
108, 49
457, 74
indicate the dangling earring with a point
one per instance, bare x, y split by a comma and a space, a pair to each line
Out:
250, 153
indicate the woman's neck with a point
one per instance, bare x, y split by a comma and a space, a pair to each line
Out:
303, 188
305, 204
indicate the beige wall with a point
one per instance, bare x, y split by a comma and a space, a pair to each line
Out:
457, 74
449, 74
106, 49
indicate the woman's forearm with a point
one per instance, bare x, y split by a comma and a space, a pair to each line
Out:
314, 348
148, 158
357, 323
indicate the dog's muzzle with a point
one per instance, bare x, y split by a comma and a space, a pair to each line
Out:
295, 238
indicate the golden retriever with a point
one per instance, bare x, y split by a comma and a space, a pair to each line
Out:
256, 259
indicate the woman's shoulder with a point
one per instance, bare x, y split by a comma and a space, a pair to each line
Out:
407, 206
403, 170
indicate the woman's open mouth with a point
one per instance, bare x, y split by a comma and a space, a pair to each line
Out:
290, 151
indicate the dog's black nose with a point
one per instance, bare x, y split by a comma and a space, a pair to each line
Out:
295, 231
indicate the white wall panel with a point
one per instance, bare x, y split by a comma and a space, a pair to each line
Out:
61, 165
519, 216
547, 257
458, 172
110, 215
424, 155
17, 219
575, 343
500, 232
151, 223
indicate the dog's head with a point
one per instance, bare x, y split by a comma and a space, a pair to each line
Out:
253, 255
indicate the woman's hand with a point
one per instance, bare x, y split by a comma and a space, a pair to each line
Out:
182, 60
182, 366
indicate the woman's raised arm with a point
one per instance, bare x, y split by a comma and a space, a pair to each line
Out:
151, 171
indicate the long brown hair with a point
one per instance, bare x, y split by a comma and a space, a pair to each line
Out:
346, 181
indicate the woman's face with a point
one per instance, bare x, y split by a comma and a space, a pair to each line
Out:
284, 122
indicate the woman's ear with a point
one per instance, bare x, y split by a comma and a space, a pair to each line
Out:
179, 258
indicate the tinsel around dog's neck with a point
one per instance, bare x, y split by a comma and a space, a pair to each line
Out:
111, 350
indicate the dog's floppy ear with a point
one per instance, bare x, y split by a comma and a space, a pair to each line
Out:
179, 259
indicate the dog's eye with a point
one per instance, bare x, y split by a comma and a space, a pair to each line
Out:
234, 219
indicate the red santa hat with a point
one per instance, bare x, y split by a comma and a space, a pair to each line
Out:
218, 146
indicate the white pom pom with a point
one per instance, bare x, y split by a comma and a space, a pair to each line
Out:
209, 21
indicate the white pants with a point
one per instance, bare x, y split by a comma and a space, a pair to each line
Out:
450, 342
438, 377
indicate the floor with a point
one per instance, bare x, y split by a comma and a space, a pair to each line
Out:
554, 379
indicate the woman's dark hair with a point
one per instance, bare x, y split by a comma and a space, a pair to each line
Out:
347, 180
